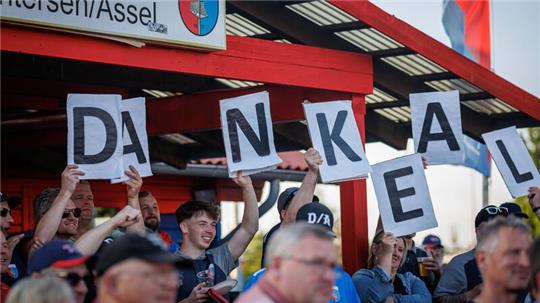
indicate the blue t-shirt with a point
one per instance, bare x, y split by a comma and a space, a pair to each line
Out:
344, 290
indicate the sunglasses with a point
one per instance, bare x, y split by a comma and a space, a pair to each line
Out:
5, 212
76, 212
74, 279
496, 210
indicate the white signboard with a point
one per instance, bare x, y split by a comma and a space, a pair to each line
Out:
94, 135
335, 135
512, 159
436, 127
135, 139
248, 135
195, 23
403, 195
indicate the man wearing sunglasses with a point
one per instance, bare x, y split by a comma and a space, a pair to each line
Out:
6, 205
461, 280
61, 259
59, 217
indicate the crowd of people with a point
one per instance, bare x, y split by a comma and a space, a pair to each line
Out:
68, 259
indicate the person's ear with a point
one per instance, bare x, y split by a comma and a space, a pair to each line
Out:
184, 227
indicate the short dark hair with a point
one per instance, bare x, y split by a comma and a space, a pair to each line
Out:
194, 208
143, 194
44, 201
534, 254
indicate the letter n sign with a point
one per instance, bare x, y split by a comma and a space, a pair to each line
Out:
94, 136
403, 195
436, 127
512, 159
247, 134
335, 135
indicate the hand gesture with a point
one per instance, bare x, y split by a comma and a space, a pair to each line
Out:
198, 294
36, 244
425, 162
12, 242
242, 181
126, 217
432, 265
313, 159
134, 183
70, 178
386, 245
534, 196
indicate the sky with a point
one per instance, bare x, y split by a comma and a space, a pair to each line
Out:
456, 191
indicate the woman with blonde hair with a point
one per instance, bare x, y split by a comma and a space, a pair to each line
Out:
42, 290
380, 282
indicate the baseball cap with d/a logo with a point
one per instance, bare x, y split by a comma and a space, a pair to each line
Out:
317, 213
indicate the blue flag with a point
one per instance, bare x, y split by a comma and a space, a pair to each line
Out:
476, 156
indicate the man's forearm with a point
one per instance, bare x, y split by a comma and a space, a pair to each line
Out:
302, 197
50, 221
89, 242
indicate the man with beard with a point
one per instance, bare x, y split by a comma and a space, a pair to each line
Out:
151, 216
502, 254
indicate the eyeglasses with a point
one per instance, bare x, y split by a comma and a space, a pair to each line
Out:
497, 210
319, 265
76, 212
5, 212
73, 278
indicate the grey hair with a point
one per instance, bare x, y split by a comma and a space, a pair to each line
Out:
44, 200
42, 290
286, 239
489, 235
534, 258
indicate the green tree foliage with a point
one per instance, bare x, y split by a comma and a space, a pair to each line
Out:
533, 144
252, 256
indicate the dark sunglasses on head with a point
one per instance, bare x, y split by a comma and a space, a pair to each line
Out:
5, 212
73, 278
76, 212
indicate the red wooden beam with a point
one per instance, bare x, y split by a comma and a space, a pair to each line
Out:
441, 54
191, 113
245, 58
354, 215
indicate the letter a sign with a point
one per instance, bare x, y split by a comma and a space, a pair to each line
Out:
512, 159
247, 134
436, 127
335, 135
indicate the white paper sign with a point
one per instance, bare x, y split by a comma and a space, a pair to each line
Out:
135, 139
94, 136
436, 126
512, 159
403, 195
335, 135
248, 134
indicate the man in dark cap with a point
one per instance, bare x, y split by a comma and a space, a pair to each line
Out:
293, 198
6, 205
138, 269
461, 280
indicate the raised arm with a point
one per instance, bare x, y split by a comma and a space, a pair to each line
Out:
50, 221
534, 199
134, 185
250, 219
90, 241
305, 193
